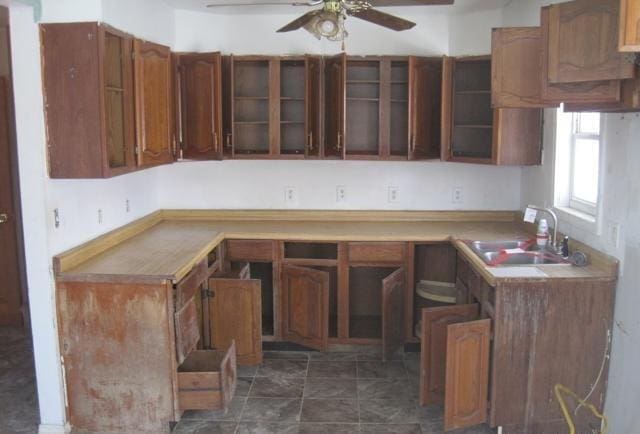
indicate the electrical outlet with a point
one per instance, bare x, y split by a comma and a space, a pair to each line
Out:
100, 219
341, 193
290, 195
614, 234
393, 195
127, 205
56, 218
457, 195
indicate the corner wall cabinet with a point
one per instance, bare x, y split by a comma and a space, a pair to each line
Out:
472, 131
87, 75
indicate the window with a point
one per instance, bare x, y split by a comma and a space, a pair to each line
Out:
578, 154
585, 162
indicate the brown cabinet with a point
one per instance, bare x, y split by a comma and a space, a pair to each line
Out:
382, 107
236, 313
472, 131
583, 42
629, 39
305, 306
200, 105
88, 100
335, 74
155, 123
454, 363
275, 107
516, 64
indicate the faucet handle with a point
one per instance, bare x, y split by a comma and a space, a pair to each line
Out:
565, 247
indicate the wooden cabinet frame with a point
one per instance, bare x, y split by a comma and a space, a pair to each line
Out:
629, 39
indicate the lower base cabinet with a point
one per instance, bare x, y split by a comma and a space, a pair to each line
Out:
454, 363
235, 313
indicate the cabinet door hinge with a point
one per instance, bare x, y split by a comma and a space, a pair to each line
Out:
207, 293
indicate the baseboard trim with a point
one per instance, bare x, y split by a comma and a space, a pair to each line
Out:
52, 429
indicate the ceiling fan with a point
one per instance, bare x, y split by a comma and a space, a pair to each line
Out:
328, 21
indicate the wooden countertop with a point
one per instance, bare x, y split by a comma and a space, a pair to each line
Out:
165, 245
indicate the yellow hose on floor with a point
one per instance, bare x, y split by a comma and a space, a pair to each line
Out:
559, 389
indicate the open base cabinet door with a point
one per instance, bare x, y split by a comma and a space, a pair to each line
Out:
392, 317
454, 364
305, 306
235, 307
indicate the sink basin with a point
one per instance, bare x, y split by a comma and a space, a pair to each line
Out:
514, 252
526, 258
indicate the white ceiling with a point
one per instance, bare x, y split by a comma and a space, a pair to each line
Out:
460, 6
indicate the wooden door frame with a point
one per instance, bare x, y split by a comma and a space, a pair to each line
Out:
14, 179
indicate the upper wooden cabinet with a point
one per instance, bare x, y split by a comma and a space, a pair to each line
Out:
472, 131
629, 39
200, 105
88, 100
424, 109
156, 141
516, 62
274, 107
335, 74
382, 107
583, 42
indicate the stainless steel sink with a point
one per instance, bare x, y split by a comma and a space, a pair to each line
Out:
514, 252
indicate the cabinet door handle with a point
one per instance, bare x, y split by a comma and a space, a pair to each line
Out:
4, 218
413, 143
339, 145
310, 141
215, 141
228, 140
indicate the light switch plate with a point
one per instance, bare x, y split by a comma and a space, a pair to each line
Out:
530, 215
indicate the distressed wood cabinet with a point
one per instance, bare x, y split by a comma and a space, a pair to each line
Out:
200, 105
88, 100
516, 64
473, 132
509, 334
583, 42
155, 121
629, 39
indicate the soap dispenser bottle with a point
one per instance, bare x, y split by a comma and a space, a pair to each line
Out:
542, 234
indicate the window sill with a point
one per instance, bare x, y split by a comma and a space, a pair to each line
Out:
578, 219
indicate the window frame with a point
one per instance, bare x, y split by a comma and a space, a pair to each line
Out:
574, 202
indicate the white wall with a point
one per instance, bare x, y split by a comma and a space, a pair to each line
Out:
261, 184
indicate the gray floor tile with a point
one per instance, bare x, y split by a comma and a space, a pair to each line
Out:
286, 355
325, 428
372, 369
271, 410
247, 371
406, 428
282, 368
277, 387
267, 428
332, 369
204, 427
330, 388
430, 414
232, 414
384, 389
329, 410
412, 367
388, 411
334, 356
243, 386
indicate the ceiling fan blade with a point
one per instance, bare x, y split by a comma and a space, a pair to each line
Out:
299, 22
222, 5
383, 19
382, 3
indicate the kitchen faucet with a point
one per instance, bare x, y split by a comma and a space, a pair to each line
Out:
554, 242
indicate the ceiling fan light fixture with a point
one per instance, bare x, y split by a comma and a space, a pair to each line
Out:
327, 25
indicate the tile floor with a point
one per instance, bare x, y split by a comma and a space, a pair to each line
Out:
299, 392
18, 398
